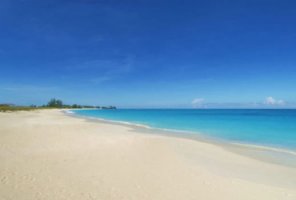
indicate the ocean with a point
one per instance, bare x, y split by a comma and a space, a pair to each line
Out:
266, 127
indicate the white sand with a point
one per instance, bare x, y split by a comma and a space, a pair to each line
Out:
48, 155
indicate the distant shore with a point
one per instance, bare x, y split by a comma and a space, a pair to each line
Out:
46, 154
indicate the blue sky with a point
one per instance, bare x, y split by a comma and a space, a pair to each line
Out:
149, 53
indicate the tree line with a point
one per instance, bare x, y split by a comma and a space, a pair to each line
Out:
57, 103
52, 103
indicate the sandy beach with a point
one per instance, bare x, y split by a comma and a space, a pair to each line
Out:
46, 154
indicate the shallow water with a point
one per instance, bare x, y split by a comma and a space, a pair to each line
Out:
268, 127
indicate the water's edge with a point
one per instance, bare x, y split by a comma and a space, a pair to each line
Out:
268, 154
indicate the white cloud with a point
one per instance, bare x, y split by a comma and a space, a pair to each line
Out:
281, 102
198, 102
270, 101
274, 102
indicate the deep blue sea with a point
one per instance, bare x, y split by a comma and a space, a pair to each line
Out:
268, 127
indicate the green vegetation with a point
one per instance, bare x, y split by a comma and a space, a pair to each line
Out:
9, 107
53, 103
108, 107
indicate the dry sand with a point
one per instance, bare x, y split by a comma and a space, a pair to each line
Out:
48, 155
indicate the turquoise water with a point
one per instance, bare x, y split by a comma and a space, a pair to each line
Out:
274, 127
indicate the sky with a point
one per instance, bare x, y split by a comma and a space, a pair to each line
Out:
149, 54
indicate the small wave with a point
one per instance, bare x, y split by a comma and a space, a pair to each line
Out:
267, 148
69, 112
127, 123
114, 121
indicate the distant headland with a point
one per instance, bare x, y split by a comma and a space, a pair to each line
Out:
52, 103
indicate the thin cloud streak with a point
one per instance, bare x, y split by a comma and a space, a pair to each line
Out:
27, 88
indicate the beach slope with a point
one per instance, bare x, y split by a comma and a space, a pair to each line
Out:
46, 154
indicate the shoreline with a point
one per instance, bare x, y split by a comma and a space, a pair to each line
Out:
48, 155
286, 157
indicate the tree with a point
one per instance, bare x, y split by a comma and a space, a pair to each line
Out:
55, 103
59, 103
76, 106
